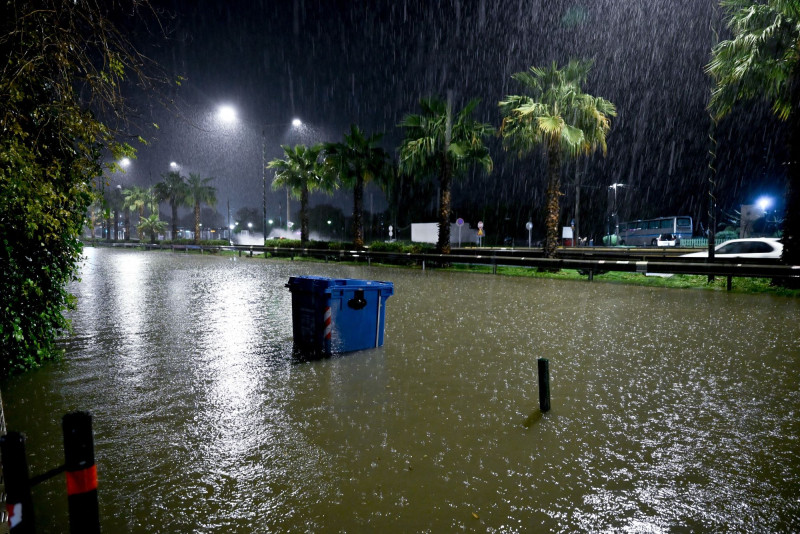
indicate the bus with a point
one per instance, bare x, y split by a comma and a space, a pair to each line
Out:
649, 232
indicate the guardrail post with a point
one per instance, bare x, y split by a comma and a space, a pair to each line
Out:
81, 473
544, 384
17, 483
730, 283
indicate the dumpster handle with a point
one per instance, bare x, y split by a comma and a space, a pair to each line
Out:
358, 302
378, 321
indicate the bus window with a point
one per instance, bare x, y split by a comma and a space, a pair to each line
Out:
684, 221
654, 224
666, 223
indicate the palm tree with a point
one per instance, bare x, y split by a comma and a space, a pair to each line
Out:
357, 161
762, 60
199, 192
437, 144
173, 190
151, 225
558, 116
95, 212
301, 172
137, 199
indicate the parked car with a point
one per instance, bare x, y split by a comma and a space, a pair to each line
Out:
753, 247
668, 240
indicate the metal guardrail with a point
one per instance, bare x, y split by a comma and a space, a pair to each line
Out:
589, 264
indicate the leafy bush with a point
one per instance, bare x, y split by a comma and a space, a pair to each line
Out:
725, 235
58, 58
404, 247
203, 243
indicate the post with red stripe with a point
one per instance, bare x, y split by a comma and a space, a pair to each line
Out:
328, 328
17, 484
81, 473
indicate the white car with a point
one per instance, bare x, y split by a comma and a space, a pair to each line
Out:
752, 247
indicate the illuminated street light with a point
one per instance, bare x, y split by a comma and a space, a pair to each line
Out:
173, 165
227, 113
124, 163
764, 203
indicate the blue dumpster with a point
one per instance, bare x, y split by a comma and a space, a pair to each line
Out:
332, 315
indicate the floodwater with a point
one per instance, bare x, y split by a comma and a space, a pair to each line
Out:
673, 410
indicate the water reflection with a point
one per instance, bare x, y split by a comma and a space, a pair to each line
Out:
671, 409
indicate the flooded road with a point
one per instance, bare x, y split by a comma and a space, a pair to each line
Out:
672, 410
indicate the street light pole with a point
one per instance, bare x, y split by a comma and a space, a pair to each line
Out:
264, 179
614, 186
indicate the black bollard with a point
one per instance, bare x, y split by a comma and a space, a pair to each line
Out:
81, 473
544, 384
17, 484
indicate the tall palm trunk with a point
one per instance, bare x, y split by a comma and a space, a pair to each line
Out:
553, 192
445, 179
127, 225
196, 223
791, 224
141, 216
173, 203
304, 215
116, 223
358, 210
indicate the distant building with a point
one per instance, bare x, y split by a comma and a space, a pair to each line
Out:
429, 233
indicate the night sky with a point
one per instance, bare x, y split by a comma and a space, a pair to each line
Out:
333, 63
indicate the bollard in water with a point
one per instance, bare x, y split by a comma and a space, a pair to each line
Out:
81, 473
17, 484
544, 384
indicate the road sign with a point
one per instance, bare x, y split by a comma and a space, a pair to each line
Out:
459, 221
480, 232
529, 226
480, 225
390, 230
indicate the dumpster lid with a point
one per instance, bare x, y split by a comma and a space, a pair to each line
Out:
321, 283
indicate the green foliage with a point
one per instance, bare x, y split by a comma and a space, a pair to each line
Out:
403, 247
761, 60
198, 191
725, 235
555, 114
762, 57
355, 162
203, 242
301, 172
151, 225
54, 54
172, 189
441, 143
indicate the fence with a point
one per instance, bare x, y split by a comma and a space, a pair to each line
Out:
589, 263
79, 469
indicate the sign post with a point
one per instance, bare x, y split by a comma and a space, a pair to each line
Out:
460, 223
480, 232
391, 229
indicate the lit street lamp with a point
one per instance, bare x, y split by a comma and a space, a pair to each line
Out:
228, 114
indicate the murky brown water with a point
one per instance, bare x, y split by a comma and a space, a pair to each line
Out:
673, 410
